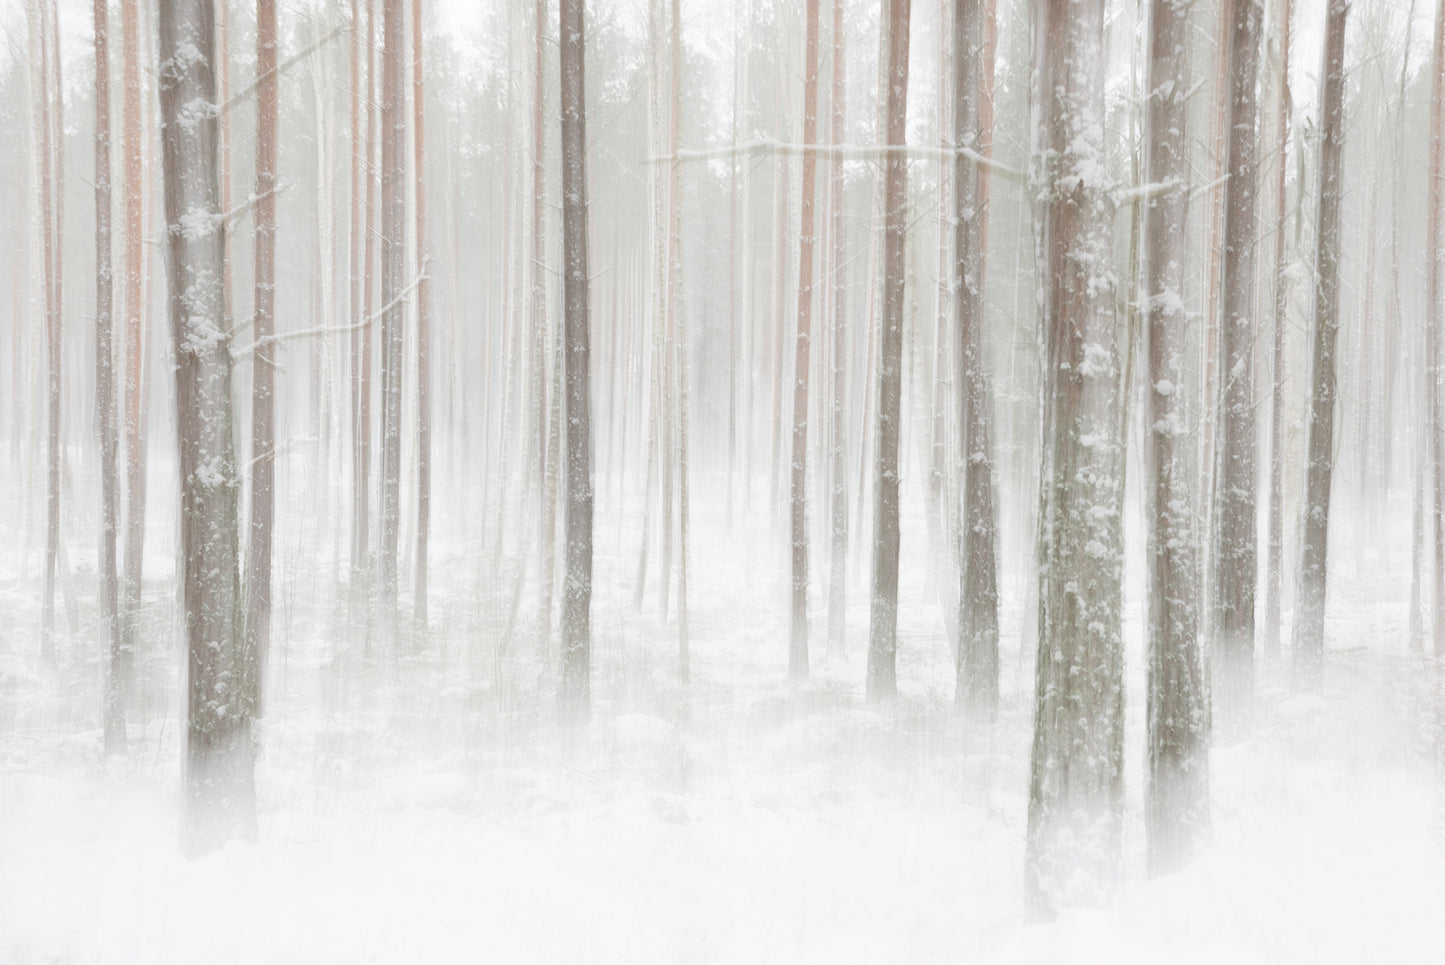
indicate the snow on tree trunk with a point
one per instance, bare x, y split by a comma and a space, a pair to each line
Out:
1177, 794
263, 368
219, 759
1235, 543
577, 589
1309, 623
976, 689
883, 617
1275, 553
1076, 771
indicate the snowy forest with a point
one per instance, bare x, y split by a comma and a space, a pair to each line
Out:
403, 402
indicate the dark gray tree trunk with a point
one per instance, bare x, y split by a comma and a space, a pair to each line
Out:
1309, 622
575, 694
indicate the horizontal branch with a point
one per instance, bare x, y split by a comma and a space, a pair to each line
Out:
321, 330
284, 66
771, 145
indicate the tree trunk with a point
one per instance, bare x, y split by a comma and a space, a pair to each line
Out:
393, 313
1076, 773
1275, 553
798, 502
263, 368
678, 356
577, 589
423, 329
1235, 537
132, 141
838, 418
113, 711
51, 129
883, 617
1435, 418
219, 763
1177, 796
976, 689
1309, 623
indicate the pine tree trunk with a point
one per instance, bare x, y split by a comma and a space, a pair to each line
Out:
113, 710
132, 143
977, 670
678, 357
1235, 536
798, 501
1433, 497
423, 329
883, 617
837, 416
263, 369
1073, 846
1275, 553
1309, 623
219, 761
393, 313
1177, 793
577, 588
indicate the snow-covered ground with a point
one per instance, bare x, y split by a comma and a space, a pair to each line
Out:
426, 809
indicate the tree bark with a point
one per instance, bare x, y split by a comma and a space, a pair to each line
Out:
1309, 623
132, 141
1177, 793
1435, 414
837, 416
1275, 553
263, 368
113, 710
1073, 850
575, 696
423, 328
798, 502
219, 761
976, 688
393, 270
883, 616
1235, 544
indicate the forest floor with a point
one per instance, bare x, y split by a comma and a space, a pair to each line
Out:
423, 807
